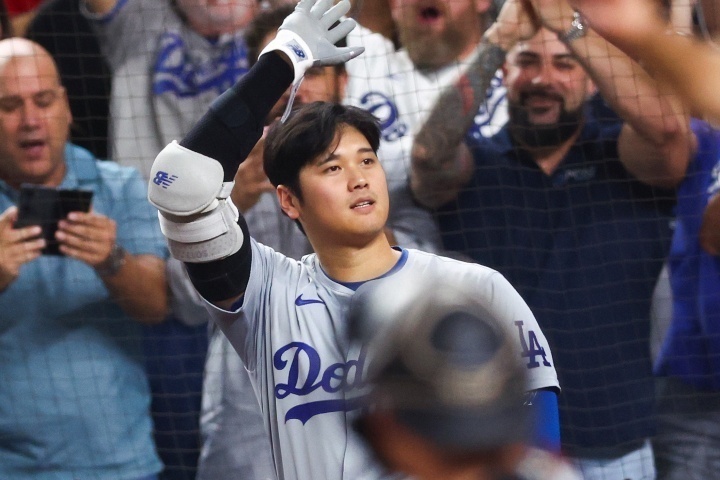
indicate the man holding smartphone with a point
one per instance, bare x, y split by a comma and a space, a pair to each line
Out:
74, 399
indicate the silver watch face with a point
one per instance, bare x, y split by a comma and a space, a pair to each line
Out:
577, 29
114, 262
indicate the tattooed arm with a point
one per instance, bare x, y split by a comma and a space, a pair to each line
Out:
441, 163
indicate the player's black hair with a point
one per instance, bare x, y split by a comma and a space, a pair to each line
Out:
308, 133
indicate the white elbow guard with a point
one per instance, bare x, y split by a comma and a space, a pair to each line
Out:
196, 215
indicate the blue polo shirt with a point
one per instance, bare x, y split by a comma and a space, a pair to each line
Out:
584, 247
74, 398
691, 350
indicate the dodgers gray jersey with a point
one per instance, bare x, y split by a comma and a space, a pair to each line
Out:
291, 332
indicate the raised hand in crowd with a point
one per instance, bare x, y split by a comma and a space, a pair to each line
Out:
250, 179
688, 65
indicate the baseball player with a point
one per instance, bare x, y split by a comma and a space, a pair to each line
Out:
288, 319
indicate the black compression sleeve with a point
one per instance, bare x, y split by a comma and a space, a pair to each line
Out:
232, 126
225, 278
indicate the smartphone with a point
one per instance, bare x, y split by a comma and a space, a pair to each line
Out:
45, 206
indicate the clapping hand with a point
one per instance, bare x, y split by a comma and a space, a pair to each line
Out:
516, 22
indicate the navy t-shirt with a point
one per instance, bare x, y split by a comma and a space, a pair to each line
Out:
584, 247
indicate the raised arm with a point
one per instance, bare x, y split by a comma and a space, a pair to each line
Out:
691, 67
441, 163
656, 142
191, 181
374, 15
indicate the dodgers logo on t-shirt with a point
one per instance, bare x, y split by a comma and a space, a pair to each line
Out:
385, 110
492, 113
174, 73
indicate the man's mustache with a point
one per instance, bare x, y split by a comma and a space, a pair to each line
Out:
540, 93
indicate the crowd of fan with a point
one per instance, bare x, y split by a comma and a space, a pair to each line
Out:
582, 169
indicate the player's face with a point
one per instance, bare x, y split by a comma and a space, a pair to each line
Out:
213, 17
436, 32
34, 122
546, 86
344, 194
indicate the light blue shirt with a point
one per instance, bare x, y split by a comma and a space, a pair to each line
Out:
74, 397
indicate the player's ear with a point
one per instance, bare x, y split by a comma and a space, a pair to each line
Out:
289, 202
66, 102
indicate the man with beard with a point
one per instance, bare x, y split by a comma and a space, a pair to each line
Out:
574, 213
438, 39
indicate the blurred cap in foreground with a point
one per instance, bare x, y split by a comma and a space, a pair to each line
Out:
441, 363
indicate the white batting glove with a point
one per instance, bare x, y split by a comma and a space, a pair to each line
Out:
307, 39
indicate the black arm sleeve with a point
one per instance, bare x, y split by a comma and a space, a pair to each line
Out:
234, 123
225, 278
228, 132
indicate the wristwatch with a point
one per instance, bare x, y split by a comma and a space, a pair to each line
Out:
577, 29
112, 265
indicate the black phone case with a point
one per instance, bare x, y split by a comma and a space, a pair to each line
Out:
45, 206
